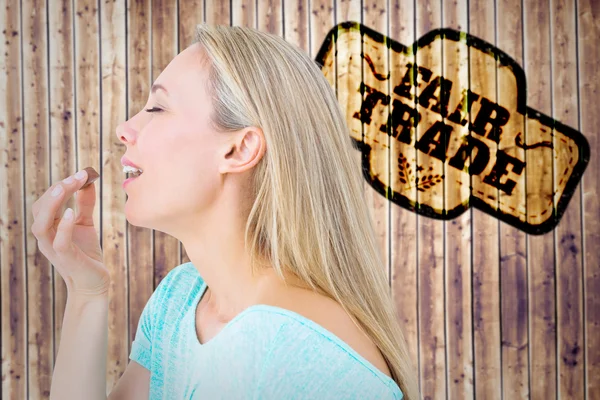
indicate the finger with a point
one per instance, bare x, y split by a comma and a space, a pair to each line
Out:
69, 185
38, 205
51, 203
63, 242
49, 207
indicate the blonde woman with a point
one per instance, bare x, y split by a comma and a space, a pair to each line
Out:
245, 157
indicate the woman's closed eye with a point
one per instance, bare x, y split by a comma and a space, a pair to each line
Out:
153, 109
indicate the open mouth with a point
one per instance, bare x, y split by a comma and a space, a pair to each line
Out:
133, 174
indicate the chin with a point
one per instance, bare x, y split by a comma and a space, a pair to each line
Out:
136, 217
133, 215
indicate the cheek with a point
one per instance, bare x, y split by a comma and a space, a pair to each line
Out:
176, 160
192, 179
184, 166
194, 191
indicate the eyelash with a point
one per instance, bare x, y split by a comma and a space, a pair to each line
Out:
154, 109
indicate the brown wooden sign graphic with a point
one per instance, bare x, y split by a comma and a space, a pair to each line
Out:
443, 125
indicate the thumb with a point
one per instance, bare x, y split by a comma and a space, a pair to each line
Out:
63, 243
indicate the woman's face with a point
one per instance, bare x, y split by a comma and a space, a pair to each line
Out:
175, 147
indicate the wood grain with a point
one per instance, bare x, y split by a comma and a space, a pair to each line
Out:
191, 13
540, 249
13, 252
457, 250
403, 223
140, 260
164, 49
568, 242
488, 311
588, 54
61, 132
217, 12
513, 242
61, 144
40, 333
375, 15
485, 230
114, 238
430, 232
270, 17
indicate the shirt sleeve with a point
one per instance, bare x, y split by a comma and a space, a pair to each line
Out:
304, 364
141, 347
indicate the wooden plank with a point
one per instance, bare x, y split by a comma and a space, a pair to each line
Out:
87, 151
12, 250
320, 22
457, 252
191, 13
217, 12
164, 49
87, 95
430, 232
114, 238
269, 14
403, 222
375, 16
513, 242
244, 13
569, 268
348, 11
588, 32
485, 264
540, 257
62, 127
40, 359
139, 239
295, 23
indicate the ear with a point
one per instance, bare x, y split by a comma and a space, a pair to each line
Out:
243, 151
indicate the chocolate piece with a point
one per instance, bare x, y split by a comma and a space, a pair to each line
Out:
92, 176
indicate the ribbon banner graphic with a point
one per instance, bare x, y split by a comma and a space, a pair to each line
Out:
443, 125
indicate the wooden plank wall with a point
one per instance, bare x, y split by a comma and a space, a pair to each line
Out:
489, 311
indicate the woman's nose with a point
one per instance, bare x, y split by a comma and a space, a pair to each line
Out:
125, 133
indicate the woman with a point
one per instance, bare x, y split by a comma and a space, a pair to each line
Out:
247, 160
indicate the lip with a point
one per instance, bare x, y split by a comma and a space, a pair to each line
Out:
129, 180
126, 161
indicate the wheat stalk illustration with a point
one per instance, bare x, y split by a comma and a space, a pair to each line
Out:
407, 178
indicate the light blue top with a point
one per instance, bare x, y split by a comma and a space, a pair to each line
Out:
264, 352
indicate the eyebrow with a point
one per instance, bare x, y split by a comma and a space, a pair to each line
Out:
157, 86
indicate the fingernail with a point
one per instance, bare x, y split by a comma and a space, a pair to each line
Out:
57, 190
68, 214
80, 175
68, 180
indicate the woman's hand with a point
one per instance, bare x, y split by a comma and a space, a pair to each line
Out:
71, 243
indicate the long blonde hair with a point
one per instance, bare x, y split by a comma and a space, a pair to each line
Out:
308, 216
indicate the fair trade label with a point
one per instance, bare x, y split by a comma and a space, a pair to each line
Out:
443, 125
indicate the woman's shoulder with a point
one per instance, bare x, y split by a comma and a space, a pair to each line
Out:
328, 318
319, 327
176, 287
306, 351
185, 269
332, 333
182, 275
